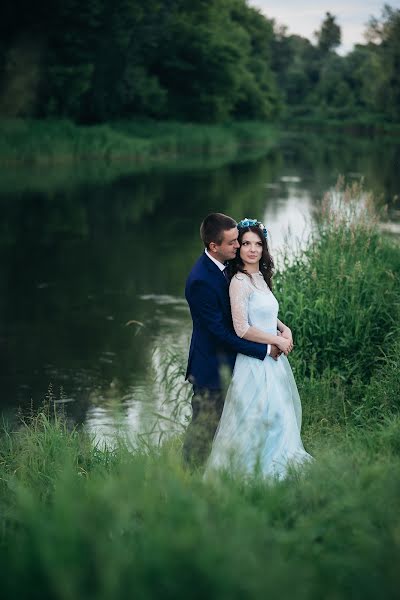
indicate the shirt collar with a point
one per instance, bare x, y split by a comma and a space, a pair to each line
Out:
220, 266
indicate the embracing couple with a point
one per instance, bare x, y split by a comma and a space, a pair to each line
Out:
255, 427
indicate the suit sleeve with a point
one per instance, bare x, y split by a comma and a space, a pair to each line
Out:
205, 308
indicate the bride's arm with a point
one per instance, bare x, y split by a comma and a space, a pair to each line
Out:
286, 333
239, 293
283, 328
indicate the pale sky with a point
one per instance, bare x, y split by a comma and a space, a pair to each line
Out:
303, 18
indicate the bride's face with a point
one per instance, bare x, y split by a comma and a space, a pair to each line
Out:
251, 250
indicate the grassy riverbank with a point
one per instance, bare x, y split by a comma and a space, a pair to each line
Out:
368, 125
80, 522
62, 142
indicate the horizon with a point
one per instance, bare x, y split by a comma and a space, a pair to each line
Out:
305, 18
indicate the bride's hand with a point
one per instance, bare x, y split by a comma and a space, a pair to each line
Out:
284, 344
286, 333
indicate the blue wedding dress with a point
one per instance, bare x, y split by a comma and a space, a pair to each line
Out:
259, 430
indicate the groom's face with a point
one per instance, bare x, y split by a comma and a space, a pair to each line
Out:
226, 250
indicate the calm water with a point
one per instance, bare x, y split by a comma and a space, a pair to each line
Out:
94, 261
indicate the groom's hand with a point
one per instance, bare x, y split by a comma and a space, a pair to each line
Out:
275, 352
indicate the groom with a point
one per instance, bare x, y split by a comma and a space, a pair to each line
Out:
214, 342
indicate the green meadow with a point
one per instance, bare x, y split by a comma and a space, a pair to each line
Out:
79, 520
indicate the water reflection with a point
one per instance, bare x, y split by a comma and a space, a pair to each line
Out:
289, 216
93, 268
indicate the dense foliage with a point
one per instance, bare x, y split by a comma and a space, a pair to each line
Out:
203, 60
206, 60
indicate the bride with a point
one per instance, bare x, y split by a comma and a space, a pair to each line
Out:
259, 430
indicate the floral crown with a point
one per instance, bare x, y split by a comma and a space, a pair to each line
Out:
253, 223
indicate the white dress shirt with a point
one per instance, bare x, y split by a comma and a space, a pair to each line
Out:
220, 265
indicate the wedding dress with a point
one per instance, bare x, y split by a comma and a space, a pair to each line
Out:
259, 430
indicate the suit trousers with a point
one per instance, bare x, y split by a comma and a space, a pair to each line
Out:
207, 407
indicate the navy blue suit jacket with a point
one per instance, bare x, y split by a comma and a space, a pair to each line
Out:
214, 341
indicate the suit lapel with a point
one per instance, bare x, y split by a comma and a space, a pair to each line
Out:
217, 280
212, 267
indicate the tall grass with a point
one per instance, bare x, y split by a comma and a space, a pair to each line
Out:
341, 295
62, 142
79, 523
341, 298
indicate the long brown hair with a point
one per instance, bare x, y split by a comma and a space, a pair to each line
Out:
266, 262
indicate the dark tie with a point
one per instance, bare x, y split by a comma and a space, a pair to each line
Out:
226, 274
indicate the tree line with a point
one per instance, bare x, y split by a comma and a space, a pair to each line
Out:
203, 61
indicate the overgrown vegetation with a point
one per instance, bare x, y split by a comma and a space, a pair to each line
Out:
341, 298
341, 293
79, 522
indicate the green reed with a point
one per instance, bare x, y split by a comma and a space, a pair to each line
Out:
333, 406
60, 142
341, 296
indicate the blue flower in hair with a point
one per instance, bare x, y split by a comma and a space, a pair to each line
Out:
246, 222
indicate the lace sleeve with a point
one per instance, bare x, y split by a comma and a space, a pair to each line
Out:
239, 293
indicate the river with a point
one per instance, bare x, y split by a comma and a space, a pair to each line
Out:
94, 260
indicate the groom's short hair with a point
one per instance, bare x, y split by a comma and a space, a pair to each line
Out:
213, 227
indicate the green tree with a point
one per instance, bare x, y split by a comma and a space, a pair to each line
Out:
362, 66
334, 94
258, 94
200, 57
207, 60
296, 65
125, 49
383, 36
329, 36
